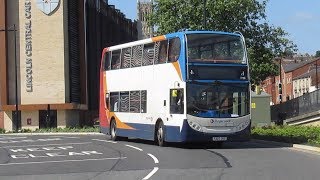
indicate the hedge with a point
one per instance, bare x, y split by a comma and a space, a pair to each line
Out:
48, 130
290, 134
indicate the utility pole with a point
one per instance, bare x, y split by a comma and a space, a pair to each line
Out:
204, 14
280, 82
316, 74
15, 117
316, 64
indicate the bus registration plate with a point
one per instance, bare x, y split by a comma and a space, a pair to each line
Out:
219, 138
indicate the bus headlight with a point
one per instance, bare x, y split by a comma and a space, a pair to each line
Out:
242, 125
194, 126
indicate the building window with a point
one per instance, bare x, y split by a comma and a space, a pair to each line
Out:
289, 80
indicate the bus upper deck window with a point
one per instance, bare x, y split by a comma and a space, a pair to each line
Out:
174, 49
136, 56
107, 62
148, 54
162, 49
126, 57
115, 61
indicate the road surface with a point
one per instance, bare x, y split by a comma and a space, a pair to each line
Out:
89, 157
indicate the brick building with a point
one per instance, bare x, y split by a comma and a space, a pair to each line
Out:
59, 45
290, 71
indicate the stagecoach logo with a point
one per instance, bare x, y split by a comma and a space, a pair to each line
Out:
47, 6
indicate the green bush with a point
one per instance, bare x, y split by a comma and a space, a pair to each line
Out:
68, 129
53, 130
289, 134
2, 131
26, 131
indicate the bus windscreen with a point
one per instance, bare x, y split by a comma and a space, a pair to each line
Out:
215, 48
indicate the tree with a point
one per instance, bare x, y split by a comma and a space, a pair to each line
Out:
317, 54
264, 41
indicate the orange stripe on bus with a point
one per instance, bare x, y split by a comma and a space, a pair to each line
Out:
177, 67
104, 104
120, 124
158, 38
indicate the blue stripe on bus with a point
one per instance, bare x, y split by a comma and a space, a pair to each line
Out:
222, 81
219, 65
182, 33
182, 57
212, 32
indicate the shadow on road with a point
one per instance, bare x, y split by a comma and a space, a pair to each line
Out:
253, 144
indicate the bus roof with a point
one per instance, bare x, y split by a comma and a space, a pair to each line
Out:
164, 37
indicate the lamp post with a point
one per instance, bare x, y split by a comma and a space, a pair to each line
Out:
13, 29
280, 79
204, 14
316, 64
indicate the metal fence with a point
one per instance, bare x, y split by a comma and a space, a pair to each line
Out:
295, 107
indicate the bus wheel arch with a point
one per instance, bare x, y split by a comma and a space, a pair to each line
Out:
113, 129
159, 133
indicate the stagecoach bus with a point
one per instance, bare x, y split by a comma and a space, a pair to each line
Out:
190, 86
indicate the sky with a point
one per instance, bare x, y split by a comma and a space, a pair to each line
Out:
300, 18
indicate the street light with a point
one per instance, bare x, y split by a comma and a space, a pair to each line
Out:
16, 117
279, 59
204, 14
316, 64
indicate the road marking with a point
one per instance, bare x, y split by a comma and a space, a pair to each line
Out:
48, 145
5, 138
134, 147
154, 158
30, 140
155, 169
66, 137
105, 141
43, 162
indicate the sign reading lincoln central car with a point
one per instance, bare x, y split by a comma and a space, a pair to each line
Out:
28, 45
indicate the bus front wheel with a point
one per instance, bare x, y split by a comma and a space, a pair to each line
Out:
160, 137
113, 130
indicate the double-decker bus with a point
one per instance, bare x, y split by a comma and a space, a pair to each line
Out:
181, 87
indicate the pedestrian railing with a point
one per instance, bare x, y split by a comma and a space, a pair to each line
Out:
304, 104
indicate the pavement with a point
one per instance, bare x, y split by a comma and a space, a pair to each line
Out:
93, 156
302, 147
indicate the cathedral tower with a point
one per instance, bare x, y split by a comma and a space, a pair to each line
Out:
144, 8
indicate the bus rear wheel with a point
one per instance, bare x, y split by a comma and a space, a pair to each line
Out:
113, 130
160, 137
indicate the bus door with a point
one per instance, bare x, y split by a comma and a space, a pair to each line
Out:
176, 103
